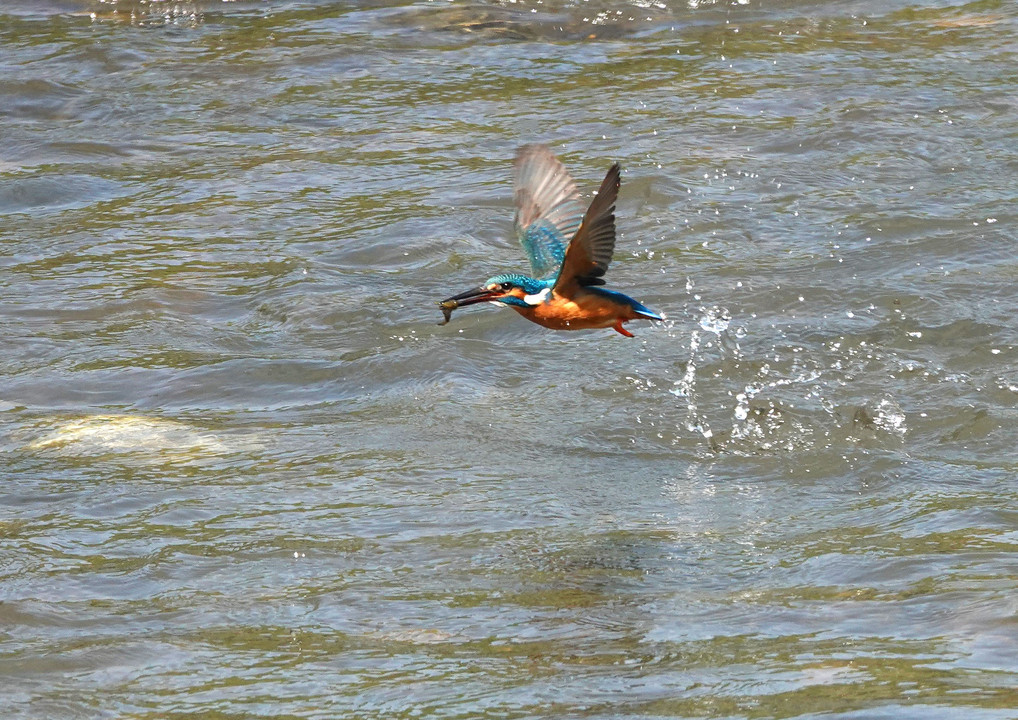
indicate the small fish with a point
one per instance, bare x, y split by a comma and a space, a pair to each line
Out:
447, 307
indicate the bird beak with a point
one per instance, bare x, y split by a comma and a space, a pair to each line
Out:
469, 298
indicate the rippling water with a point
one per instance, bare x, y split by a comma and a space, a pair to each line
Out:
246, 474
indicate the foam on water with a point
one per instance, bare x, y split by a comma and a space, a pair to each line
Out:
125, 434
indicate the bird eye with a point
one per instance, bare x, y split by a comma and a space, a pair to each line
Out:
507, 286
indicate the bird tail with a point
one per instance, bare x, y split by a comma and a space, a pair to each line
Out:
645, 312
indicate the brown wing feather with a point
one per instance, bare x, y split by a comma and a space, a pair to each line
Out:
590, 251
544, 190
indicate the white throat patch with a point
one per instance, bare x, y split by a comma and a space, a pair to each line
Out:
537, 298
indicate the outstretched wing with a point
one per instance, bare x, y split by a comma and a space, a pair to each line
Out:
548, 208
591, 249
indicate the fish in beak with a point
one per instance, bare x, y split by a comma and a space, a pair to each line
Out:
470, 297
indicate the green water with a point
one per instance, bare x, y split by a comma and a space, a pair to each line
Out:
247, 474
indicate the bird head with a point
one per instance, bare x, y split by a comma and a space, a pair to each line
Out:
508, 289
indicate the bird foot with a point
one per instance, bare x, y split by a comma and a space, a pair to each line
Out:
617, 327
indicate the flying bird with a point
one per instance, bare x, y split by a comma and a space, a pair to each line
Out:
569, 248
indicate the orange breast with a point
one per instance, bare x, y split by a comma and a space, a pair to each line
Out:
582, 312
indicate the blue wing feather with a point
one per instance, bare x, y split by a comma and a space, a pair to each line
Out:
545, 247
548, 208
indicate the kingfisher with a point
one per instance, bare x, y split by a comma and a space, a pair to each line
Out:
569, 247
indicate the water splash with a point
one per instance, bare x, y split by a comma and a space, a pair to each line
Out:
791, 397
716, 320
686, 386
889, 417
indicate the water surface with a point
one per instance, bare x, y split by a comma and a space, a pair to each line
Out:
246, 474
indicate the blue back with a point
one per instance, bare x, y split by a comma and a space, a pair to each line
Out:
638, 307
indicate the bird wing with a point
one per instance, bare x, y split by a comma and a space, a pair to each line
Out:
548, 208
591, 249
